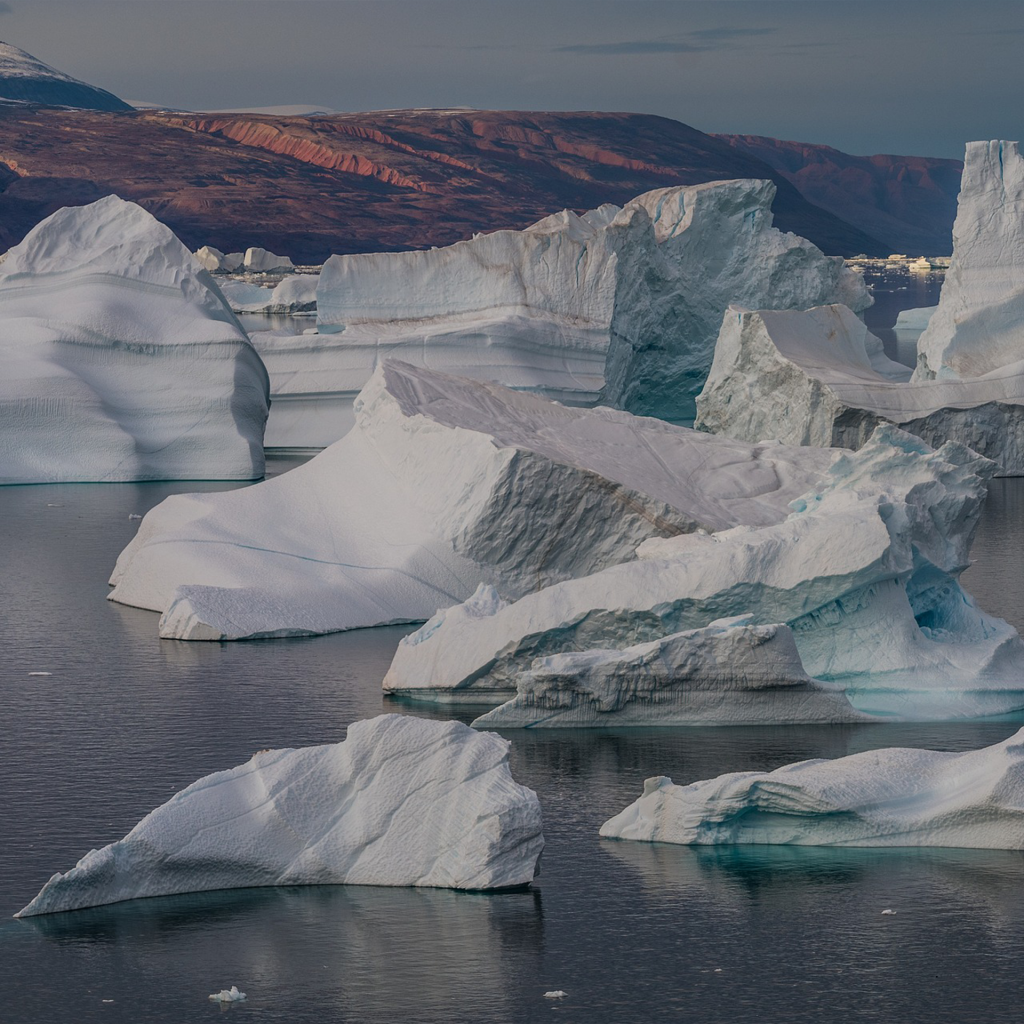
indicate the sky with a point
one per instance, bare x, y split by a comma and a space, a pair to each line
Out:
912, 77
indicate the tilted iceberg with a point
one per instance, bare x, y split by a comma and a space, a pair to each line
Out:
618, 306
727, 673
402, 801
864, 572
121, 359
978, 325
443, 484
890, 797
262, 261
820, 378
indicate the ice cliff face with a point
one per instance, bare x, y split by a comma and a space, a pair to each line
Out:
820, 378
402, 801
889, 797
864, 572
620, 306
443, 484
729, 672
121, 359
977, 327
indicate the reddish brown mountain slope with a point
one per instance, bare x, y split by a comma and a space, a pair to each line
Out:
908, 201
309, 187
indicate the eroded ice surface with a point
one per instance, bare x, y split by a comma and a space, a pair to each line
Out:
864, 572
818, 377
728, 673
978, 326
443, 484
889, 797
402, 801
295, 294
619, 306
120, 358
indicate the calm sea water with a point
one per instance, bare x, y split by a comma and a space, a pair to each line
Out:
632, 932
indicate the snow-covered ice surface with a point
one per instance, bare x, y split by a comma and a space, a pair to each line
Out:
26, 79
818, 377
864, 572
978, 326
619, 306
444, 483
728, 673
402, 801
295, 294
895, 796
121, 360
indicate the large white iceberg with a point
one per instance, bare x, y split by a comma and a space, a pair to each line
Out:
728, 673
864, 572
294, 294
402, 801
890, 797
443, 484
978, 325
262, 261
618, 306
120, 358
818, 377
216, 261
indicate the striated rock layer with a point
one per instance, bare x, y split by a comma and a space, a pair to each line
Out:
402, 801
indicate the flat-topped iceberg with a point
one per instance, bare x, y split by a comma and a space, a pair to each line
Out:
294, 294
978, 325
619, 306
262, 261
444, 483
864, 572
818, 377
727, 673
121, 359
890, 797
402, 801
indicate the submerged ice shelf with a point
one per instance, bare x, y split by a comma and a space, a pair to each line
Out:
444, 483
402, 801
121, 360
864, 572
889, 797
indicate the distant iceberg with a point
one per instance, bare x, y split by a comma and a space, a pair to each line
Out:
402, 801
121, 359
890, 797
864, 572
619, 306
820, 378
294, 294
444, 484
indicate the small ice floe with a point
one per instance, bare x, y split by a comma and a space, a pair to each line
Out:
54, 504
228, 995
134, 515
40, 673
556, 994
888, 913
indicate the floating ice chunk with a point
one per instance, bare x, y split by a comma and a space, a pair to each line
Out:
225, 995
914, 319
729, 672
556, 994
864, 572
818, 377
261, 261
215, 261
444, 483
978, 326
121, 360
402, 801
890, 797
294, 294
888, 913
40, 673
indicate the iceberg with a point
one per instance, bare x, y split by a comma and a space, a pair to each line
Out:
294, 294
215, 261
914, 319
121, 359
402, 801
619, 306
818, 377
978, 326
727, 673
864, 572
896, 796
443, 484
261, 261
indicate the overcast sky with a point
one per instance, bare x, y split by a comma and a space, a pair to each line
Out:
867, 76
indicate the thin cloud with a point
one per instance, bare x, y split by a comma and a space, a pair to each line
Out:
730, 33
6, 8
635, 46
